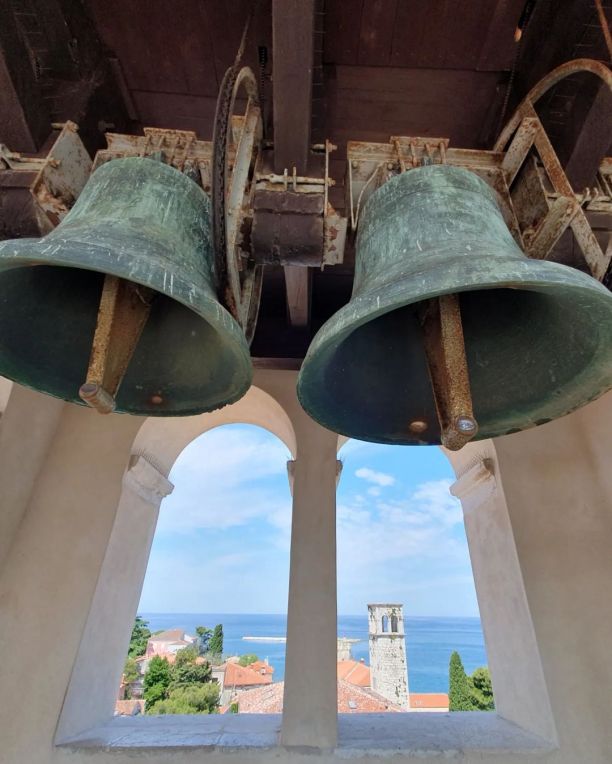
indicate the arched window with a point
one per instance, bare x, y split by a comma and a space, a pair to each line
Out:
385, 624
394, 624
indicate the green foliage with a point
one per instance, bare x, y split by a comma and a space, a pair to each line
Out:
140, 637
246, 660
233, 708
187, 672
195, 699
157, 680
459, 697
482, 690
203, 634
130, 671
215, 646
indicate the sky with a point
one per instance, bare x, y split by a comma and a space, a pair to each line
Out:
222, 539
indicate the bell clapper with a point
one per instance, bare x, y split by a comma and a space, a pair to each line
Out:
445, 350
122, 314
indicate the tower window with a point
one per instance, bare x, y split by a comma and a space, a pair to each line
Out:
394, 624
385, 624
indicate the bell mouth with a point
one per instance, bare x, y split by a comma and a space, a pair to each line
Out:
184, 363
535, 351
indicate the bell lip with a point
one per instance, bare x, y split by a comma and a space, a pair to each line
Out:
358, 311
26, 253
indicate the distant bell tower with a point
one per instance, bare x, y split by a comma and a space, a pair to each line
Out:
388, 665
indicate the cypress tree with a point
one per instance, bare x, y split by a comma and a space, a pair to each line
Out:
215, 646
459, 696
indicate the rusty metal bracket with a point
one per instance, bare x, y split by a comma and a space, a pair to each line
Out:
122, 315
448, 371
39, 191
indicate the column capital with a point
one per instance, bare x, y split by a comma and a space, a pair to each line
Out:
146, 480
475, 485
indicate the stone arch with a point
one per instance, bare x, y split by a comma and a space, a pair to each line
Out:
521, 695
159, 441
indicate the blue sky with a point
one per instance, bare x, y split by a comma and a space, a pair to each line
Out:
222, 540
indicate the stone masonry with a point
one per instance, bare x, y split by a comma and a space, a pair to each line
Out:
388, 665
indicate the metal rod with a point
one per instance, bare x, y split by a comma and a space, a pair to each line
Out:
122, 314
448, 371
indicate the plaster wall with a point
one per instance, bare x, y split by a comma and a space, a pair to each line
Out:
553, 482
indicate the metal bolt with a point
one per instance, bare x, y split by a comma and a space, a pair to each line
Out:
466, 424
418, 426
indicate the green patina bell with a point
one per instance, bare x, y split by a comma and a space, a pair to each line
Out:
537, 335
143, 230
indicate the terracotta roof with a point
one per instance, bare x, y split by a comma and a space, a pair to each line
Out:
429, 700
171, 635
129, 707
359, 700
351, 700
262, 700
355, 672
262, 667
244, 676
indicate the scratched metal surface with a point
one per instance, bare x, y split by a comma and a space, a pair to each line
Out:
146, 222
538, 335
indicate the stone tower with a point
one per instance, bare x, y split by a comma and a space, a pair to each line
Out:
388, 665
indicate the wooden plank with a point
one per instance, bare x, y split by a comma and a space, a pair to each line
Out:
177, 111
376, 34
298, 280
588, 138
442, 34
370, 103
342, 31
159, 50
24, 118
226, 21
293, 51
499, 48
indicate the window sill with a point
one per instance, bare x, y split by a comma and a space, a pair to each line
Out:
413, 736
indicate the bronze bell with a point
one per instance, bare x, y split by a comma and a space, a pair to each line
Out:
131, 269
451, 332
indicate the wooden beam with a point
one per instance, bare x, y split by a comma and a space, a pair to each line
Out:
298, 282
589, 138
292, 51
24, 120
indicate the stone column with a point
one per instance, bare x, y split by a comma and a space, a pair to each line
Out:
91, 695
310, 700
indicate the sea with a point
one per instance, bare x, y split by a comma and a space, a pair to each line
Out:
429, 641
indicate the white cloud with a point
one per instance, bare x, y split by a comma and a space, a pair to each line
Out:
402, 548
220, 482
374, 491
379, 478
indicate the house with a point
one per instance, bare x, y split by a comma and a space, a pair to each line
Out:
170, 641
236, 679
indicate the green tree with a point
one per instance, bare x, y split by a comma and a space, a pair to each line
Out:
157, 680
203, 634
215, 646
186, 671
194, 699
140, 637
482, 690
246, 660
130, 674
459, 697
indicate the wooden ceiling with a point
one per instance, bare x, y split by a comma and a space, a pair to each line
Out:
448, 68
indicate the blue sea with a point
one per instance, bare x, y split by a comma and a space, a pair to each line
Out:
429, 641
